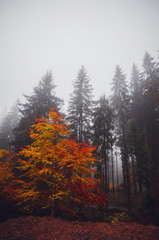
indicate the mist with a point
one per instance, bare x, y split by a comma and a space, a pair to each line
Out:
61, 36
79, 110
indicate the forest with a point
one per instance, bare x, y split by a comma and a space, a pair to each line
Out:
99, 161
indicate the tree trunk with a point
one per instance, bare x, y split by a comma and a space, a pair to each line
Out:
133, 172
53, 209
106, 183
140, 187
117, 178
124, 175
112, 169
126, 164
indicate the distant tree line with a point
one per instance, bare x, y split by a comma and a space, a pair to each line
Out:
123, 126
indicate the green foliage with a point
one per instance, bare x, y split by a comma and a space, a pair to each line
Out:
8, 122
37, 105
138, 148
103, 125
119, 217
80, 107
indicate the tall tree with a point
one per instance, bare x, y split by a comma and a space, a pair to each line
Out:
149, 68
80, 107
138, 145
8, 123
150, 91
37, 105
139, 154
120, 103
103, 138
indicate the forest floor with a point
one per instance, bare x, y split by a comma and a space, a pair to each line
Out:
46, 228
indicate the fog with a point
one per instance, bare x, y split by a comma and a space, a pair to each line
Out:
59, 35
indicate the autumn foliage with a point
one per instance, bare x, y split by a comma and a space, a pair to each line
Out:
6, 175
54, 171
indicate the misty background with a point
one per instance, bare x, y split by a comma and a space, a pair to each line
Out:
60, 35
112, 46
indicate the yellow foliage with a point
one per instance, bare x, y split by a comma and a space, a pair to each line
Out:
52, 162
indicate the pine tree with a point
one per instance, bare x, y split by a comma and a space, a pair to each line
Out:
150, 91
102, 128
8, 123
149, 68
36, 106
120, 103
138, 144
103, 138
80, 107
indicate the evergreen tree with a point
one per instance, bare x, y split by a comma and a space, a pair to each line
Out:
143, 130
8, 123
120, 104
137, 139
103, 138
36, 106
150, 91
135, 84
102, 128
80, 107
149, 68
139, 153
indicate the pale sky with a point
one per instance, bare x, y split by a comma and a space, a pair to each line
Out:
62, 35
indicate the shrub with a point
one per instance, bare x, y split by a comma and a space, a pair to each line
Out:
119, 217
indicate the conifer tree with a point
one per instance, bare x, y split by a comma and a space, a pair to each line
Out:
120, 104
103, 138
149, 68
138, 147
37, 105
102, 128
80, 107
8, 123
150, 91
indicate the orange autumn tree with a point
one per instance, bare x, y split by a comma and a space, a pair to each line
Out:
4, 170
55, 170
6, 175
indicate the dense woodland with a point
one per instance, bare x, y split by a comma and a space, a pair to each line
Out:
101, 155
